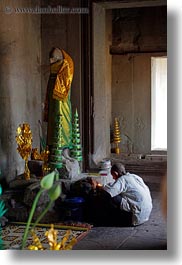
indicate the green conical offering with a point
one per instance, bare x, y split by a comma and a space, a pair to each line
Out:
76, 151
56, 150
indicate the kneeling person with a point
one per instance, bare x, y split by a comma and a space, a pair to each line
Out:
131, 194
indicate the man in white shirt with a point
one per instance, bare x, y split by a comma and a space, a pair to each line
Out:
131, 194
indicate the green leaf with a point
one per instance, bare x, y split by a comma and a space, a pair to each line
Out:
55, 192
2, 208
47, 181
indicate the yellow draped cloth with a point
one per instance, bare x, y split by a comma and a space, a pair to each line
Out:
64, 78
58, 101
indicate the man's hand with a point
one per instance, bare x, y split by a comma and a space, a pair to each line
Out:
94, 183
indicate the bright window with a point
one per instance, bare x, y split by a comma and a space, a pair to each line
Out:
159, 103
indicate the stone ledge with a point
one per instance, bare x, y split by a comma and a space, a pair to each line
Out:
142, 165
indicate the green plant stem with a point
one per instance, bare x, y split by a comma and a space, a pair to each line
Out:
30, 217
42, 214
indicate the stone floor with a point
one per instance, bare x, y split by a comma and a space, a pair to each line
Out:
152, 235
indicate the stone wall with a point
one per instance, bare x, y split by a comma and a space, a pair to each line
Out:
139, 30
20, 81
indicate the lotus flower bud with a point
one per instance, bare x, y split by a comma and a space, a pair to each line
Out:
55, 192
47, 181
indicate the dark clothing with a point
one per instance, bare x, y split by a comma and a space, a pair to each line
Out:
104, 211
100, 209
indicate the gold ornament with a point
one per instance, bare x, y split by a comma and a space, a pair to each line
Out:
35, 155
117, 136
24, 141
44, 156
52, 237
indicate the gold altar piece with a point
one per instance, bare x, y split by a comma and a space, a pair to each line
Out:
117, 136
52, 239
35, 155
43, 156
24, 141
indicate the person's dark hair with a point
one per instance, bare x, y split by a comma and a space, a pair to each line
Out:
119, 168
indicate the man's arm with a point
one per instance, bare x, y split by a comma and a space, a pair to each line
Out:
114, 188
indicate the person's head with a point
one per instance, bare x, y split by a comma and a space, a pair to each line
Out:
118, 170
55, 55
